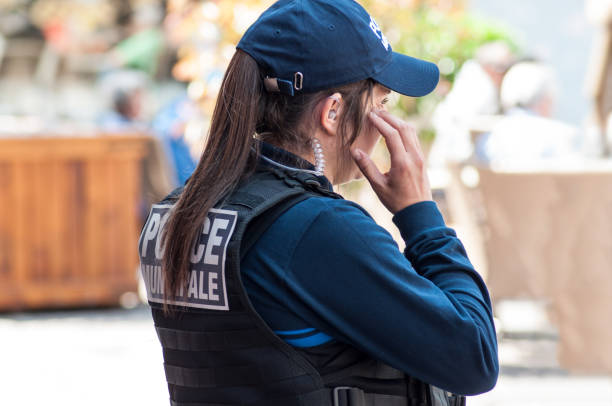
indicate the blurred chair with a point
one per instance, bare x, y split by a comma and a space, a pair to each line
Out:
548, 235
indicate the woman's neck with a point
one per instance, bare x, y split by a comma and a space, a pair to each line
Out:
305, 153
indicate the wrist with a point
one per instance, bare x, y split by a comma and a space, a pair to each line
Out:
401, 206
418, 217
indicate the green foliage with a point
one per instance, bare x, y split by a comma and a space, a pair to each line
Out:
438, 31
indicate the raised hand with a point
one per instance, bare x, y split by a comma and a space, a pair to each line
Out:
406, 182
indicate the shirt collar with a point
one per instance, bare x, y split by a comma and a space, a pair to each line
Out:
287, 158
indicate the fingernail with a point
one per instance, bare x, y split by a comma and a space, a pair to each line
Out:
357, 154
373, 113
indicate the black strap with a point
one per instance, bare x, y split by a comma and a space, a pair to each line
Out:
323, 397
218, 377
349, 396
361, 369
341, 396
319, 397
304, 179
210, 340
261, 223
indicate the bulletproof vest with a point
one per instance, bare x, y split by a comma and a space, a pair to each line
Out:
218, 351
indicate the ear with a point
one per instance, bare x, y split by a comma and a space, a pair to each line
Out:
330, 113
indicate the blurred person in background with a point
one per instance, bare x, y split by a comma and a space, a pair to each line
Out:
168, 126
475, 92
527, 134
148, 52
125, 91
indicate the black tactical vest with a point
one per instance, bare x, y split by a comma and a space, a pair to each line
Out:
219, 352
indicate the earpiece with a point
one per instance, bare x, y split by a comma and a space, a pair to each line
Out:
333, 113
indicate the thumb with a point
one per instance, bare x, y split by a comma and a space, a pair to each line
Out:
367, 166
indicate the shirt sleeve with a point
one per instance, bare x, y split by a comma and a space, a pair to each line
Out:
426, 312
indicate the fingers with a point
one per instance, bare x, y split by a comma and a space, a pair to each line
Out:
392, 137
405, 130
406, 181
367, 167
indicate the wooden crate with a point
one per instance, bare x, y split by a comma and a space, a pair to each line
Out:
69, 220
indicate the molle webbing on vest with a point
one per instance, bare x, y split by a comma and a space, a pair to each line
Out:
217, 377
316, 398
210, 340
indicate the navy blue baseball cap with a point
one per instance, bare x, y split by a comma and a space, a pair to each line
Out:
311, 45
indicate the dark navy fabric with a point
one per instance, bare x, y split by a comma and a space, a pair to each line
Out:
326, 271
331, 43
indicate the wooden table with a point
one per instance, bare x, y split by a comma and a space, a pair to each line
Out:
69, 219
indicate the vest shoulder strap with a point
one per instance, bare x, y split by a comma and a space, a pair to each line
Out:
259, 225
269, 193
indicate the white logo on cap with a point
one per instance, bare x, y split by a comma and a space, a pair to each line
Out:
378, 32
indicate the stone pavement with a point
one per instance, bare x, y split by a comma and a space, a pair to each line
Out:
112, 357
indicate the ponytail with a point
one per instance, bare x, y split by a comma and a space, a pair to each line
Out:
227, 158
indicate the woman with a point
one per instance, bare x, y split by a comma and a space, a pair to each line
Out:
266, 287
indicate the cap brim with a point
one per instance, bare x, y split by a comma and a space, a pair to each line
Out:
409, 76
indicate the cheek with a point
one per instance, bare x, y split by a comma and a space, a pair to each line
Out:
365, 142
369, 139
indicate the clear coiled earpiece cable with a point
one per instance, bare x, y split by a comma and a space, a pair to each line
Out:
318, 155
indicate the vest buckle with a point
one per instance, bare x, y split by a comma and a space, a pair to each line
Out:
348, 396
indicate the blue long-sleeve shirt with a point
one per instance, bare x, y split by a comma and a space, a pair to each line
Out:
326, 271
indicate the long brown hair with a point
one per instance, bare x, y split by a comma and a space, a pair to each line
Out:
243, 109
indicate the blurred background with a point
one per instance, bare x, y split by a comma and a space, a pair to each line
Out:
104, 108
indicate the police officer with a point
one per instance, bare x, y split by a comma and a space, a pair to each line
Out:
267, 287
